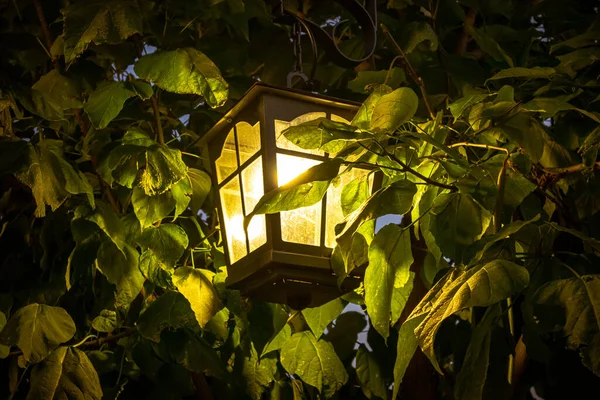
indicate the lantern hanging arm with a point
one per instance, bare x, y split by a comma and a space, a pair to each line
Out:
365, 15
296, 36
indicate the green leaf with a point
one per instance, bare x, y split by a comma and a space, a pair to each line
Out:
315, 362
264, 321
471, 378
393, 109
59, 90
66, 373
197, 287
406, 347
393, 199
390, 258
363, 117
155, 270
167, 242
151, 209
164, 168
579, 299
400, 297
489, 45
578, 59
169, 310
318, 318
369, 374
355, 193
4, 350
366, 79
121, 269
324, 134
51, 178
415, 33
456, 222
184, 71
37, 329
253, 373
279, 340
105, 218
201, 184
590, 146
549, 107
106, 102
182, 194
458, 107
99, 21
527, 73
479, 286
305, 190
506, 232
106, 321
197, 355
588, 38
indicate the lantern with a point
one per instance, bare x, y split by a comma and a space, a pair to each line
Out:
283, 257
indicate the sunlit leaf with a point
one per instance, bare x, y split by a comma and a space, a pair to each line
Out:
170, 310
99, 21
196, 285
479, 286
393, 109
305, 190
315, 362
390, 258
318, 318
66, 373
456, 222
37, 329
184, 71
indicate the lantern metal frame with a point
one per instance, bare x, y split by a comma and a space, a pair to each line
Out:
278, 271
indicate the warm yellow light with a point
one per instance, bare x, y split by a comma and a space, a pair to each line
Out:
236, 228
289, 167
302, 225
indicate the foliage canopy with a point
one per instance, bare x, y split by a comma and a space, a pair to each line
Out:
482, 116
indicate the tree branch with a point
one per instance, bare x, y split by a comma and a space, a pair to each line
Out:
463, 40
45, 31
411, 71
415, 173
570, 170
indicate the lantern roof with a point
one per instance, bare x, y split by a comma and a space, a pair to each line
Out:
259, 89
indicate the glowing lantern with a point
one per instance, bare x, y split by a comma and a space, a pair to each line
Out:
282, 257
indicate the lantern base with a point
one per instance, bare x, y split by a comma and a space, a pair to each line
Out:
299, 286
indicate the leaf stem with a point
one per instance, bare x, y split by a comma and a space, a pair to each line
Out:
160, 137
412, 171
411, 71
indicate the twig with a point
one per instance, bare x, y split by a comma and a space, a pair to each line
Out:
95, 343
570, 170
412, 171
160, 138
411, 71
389, 73
45, 31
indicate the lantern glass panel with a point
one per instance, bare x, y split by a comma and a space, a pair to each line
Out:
302, 225
231, 202
252, 181
282, 141
335, 214
248, 137
226, 164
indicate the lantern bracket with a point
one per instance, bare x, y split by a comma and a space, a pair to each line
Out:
365, 15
